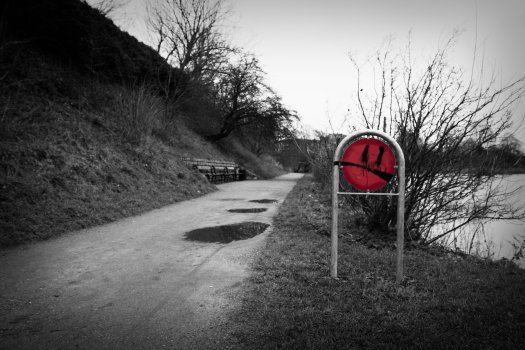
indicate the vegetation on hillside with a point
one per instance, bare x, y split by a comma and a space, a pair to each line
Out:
189, 34
76, 152
93, 122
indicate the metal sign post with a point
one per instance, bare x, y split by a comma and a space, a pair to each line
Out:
372, 148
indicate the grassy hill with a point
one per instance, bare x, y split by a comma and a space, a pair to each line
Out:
85, 136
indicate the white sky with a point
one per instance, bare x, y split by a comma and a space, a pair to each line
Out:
303, 45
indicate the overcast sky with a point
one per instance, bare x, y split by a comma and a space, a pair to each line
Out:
303, 45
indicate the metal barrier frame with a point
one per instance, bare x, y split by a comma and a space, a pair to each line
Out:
400, 165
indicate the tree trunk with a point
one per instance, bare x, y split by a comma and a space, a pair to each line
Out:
225, 131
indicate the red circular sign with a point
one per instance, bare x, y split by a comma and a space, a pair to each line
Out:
368, 164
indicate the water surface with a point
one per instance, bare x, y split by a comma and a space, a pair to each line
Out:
495, 239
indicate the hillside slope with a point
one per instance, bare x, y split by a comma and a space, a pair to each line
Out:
70, 163
84, 136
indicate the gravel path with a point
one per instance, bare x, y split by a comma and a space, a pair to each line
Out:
136, 283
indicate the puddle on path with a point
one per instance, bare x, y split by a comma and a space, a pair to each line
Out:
227, 233
264, 201
247, 210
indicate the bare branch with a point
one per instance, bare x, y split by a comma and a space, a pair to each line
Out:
187, 35
446, 126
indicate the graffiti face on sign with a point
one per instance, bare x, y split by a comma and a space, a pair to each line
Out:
368, 164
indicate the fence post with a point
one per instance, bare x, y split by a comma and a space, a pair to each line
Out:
335, 221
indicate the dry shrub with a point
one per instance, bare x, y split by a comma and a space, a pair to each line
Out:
140, 113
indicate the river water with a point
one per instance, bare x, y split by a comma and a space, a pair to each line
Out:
495, 239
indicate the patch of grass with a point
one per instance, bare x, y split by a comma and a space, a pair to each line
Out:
446, 300
76, 174
82, 157
140, 113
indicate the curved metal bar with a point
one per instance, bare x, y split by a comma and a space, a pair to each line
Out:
400, 223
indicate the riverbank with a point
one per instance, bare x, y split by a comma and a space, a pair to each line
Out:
446, 300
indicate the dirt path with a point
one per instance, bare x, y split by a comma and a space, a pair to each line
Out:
136, 283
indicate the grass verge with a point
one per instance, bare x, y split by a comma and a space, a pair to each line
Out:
76, 152
446, 300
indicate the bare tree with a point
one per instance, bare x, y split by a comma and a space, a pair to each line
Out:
243, 99
238, 94
444, 122
272, 124
187, 34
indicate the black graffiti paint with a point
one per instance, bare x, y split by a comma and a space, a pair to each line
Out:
382, 174
364, 160
380, 156
364, 156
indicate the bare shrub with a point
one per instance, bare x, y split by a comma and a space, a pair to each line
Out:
140, 113
321, 157
444, 120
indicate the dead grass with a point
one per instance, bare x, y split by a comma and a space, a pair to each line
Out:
447, 301
75, 152
82, 155
69, 171
139, 112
